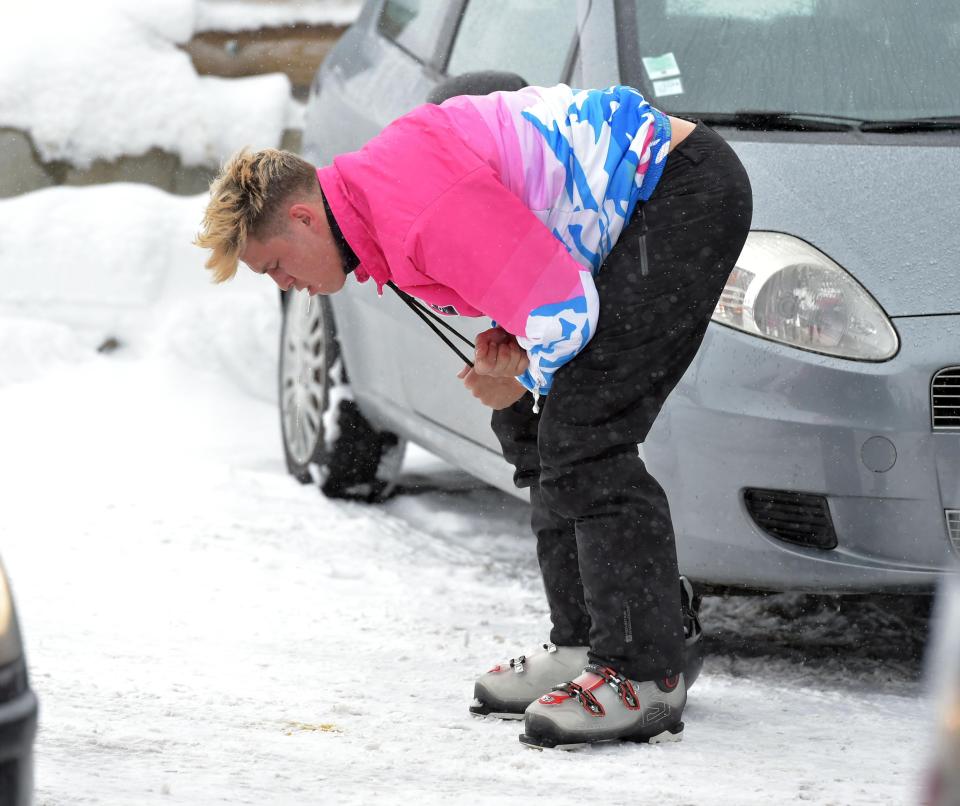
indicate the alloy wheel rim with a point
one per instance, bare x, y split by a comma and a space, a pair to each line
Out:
303, 373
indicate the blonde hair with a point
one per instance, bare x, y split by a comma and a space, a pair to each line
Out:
247, 200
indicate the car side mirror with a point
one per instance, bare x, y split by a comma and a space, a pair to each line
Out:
481, 82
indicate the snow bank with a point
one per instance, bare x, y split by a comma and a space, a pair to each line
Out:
121, 85
31, 347
86, 264
243, 15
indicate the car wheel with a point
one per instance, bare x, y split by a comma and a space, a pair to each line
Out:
321, 426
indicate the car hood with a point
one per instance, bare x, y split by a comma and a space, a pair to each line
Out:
886, 212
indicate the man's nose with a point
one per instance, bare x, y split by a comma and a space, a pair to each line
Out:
284, 281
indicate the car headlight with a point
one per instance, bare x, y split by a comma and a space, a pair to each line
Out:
10, 647
785, 290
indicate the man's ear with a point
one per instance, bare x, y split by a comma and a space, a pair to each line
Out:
301, 213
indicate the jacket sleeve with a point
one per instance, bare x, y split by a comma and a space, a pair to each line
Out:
482, 241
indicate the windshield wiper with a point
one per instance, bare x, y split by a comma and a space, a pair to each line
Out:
782, 121
944, 123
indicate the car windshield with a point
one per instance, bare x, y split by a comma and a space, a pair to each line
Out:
861, 59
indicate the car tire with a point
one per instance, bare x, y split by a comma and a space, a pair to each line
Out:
690, 601
325, 436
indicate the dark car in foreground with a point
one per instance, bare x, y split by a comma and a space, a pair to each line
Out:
942, 785
18, 708
814, 443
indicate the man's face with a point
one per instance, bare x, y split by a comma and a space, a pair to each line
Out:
304, 256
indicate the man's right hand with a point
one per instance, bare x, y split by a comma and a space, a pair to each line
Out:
499, 355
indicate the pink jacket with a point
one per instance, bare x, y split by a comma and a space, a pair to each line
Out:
502, 205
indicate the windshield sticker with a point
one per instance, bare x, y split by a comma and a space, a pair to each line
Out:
663, 66
672, 86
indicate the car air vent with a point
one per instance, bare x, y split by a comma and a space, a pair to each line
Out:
953, 527
800, 518
945, 399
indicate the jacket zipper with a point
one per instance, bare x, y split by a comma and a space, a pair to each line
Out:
536, 402
644, 260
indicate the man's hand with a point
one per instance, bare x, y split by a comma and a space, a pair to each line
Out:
499, 355
497, 393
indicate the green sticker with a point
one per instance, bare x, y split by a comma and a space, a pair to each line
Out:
663, 66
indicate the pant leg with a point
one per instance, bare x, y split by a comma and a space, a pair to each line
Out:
516, 429
560, 567
657, 290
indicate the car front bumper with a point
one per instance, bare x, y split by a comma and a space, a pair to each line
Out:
754, 414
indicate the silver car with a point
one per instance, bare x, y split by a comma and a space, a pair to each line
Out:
814, 443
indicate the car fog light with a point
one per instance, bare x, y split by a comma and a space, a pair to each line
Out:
799, 518
785, 290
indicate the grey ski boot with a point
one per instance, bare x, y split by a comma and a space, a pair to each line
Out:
508, 688
603, 706
692, 633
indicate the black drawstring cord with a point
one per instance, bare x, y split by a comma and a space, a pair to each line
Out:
426, 315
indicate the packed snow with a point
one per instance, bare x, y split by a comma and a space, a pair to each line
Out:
105, 78
202, 629
242, 15
116, 261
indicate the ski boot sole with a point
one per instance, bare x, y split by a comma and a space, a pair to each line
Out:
671, 734
480, 708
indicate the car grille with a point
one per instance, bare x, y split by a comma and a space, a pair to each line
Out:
945, 399
801, 518
953, 527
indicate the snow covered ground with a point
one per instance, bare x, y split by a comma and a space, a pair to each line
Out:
201, 629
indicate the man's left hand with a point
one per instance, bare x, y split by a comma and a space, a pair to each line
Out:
499, 355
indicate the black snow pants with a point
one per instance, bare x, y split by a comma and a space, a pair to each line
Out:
605, 540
